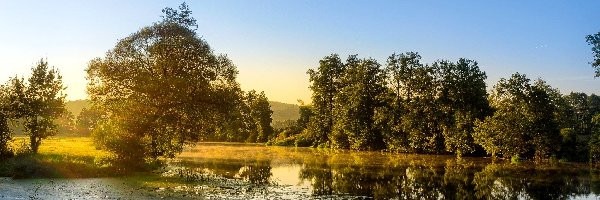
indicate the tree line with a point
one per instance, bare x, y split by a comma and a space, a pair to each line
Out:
442, 108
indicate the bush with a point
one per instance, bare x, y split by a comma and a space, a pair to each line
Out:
302, 140
128, 149
27, 166
285, 138
516, 159
5, 152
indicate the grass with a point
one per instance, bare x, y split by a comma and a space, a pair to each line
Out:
62, 157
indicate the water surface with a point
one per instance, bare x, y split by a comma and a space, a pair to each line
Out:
286, 172
250, 171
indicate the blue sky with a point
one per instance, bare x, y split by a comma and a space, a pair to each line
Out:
274, 43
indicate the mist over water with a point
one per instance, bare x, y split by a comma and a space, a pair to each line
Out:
324, 173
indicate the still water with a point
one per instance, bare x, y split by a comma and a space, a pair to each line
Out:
260, 172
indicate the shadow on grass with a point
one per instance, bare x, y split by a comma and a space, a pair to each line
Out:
64, 166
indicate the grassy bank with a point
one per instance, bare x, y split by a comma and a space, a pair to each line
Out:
60, 157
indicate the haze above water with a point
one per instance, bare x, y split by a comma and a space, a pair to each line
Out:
352, 174
248, 171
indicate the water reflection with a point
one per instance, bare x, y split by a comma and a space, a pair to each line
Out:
383, 176
256, 173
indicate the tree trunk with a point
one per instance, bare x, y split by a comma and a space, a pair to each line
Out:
35, 143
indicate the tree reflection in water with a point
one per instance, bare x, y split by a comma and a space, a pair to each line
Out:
382, 176
257, 173
454, 180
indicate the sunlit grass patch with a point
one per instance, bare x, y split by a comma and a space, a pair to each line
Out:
67, 157
70, 146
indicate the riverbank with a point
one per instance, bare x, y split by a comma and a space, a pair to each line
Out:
255, 171
60, 157
88, 188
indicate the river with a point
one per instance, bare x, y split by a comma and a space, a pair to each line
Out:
251, 171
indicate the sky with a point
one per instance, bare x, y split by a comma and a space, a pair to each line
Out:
274, 42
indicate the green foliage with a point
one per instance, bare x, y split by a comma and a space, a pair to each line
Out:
431, 108
354, 123
504, 133
87, 120
515, 159
302, 140
162, 88
325, 84
524, 120
5, 134
285, 138
39, 103
594, 143
295, 133
421, 118
5, 137
260, 114
306, 112
580, 110
130, 149
393, 117
568, 143
182, 16
545, 131
442, 107
250, 121
463, 100
594, 41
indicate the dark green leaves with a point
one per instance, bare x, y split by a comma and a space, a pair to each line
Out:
39, 102
161, 88
594, 41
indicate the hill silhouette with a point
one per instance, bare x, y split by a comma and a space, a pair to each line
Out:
281, 111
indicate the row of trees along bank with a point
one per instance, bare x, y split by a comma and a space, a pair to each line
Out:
440, 108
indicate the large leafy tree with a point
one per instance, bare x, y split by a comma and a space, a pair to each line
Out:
250, 121
325, 84
594, 41
399, 71
545, 132
260, 112
524, 122
162, 87
463, 99
354, 124
39, 102
505, 132
422, 117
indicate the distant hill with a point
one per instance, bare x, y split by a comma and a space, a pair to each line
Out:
76, 106
284, 111
281, 111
